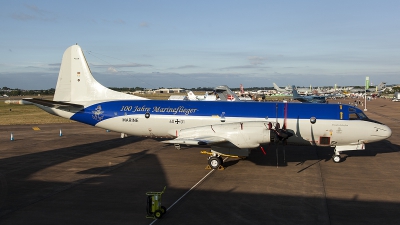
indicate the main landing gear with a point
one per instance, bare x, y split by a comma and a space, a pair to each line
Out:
215, 162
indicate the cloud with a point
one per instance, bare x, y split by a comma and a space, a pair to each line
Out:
35, 9
144, 24
238, 67
55, 64
35, 13
243, 67
184, 67
257, 60
23, 17
112, 70
122, 65
119, 21
115, 21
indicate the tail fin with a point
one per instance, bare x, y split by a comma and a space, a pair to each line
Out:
76, 83
381, 86
276, 87
295, 93
191, 95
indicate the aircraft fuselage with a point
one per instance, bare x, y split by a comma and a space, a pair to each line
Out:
334, 124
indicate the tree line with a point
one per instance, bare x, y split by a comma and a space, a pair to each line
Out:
51, 91
20, 92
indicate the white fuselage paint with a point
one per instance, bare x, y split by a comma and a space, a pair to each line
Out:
341, 132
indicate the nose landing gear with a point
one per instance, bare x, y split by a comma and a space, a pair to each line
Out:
336, 156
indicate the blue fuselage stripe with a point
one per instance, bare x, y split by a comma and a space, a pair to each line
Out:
106, 110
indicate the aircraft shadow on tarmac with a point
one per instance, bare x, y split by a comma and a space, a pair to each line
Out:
118, 196
285, 154
23, 166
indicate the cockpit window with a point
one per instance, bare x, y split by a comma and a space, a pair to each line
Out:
353, 116
357, 116
362, 116
352, 110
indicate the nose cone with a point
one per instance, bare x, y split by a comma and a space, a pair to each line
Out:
388, 132
382, 132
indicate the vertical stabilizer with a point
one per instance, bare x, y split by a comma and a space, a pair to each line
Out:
277, 87
381, 86
295, 93
76, 83
191, 96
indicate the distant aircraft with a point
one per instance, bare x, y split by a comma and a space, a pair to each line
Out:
229, 128
378, 88
308, 99
276, 87
206, 97
191, 96
220, 93
307, 91
302, 91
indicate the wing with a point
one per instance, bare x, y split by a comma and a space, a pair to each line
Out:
209, 140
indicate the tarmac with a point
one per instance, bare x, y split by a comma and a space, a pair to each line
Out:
91, 176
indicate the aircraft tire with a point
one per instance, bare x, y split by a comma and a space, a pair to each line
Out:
158, 214
214, 162
336, 158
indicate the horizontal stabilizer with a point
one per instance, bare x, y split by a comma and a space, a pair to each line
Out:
69, 107
197, 141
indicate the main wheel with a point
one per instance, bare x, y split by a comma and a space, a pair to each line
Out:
336, 158
158, 214
214, 162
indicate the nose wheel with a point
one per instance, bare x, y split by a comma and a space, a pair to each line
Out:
336, 158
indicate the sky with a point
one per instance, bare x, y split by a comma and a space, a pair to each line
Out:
190, 44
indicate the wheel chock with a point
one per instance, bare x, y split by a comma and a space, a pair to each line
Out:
208, 167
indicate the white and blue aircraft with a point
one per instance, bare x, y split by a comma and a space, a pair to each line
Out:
229, 128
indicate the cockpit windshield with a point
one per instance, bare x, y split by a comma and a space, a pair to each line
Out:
355, 114
362, 116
